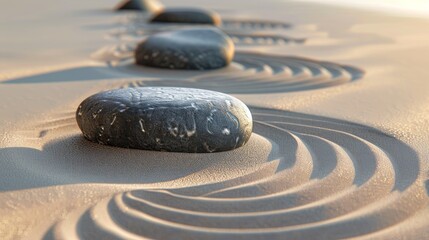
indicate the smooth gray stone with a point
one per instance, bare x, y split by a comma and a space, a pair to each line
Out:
189, 49
140, 5
187, 16
166, 119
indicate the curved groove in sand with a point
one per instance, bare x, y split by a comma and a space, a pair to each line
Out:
260, 73
250, 73
330, 175
142, 20
262, 39
253, 24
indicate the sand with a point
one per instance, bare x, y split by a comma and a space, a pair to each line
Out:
339, 149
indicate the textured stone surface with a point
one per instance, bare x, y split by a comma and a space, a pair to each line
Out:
140, 5
188, 16
192, 49
166, 119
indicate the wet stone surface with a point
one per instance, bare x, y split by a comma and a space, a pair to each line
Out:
187, 16
166, 119
190, 49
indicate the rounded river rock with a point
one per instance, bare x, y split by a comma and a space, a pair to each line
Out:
190, 49
166, 119
187, 16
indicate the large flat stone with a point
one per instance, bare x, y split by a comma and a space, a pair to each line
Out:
166, 119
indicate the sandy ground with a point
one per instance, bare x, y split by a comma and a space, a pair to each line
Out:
339, 149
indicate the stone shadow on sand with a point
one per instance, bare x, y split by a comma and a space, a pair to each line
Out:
74, 160
85, 73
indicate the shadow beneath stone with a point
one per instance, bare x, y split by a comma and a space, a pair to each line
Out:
69, 75
75, 160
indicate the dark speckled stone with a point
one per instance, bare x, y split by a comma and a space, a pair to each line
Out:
166, 119
191, 49
187, 16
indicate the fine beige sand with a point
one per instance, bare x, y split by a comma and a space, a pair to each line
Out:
340, 103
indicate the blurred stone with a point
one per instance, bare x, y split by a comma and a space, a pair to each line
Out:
192, 49
188, 16
141, 5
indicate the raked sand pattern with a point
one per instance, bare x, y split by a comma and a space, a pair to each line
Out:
261, 73
250, 73
135, 27
240, 37
325, 177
